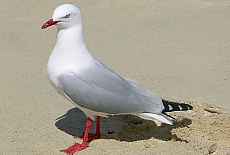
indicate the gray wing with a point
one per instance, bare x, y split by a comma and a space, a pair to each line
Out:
102, 90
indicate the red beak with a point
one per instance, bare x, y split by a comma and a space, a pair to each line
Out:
49, 23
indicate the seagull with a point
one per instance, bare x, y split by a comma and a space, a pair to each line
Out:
90, 85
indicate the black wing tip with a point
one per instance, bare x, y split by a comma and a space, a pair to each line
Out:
189, 106
175, 106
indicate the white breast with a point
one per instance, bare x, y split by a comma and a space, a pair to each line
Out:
62, 62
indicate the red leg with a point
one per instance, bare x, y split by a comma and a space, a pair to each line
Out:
98, 132
78, 147
93, 136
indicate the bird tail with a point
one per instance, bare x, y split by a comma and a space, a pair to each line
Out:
174, 106
169, 106
159, 117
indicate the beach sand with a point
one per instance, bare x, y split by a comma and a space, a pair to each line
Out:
177, 49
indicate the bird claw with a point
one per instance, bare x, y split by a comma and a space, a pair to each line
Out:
74, 148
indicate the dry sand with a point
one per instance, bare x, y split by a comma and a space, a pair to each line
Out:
178, 49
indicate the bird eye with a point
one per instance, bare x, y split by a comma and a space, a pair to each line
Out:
67, 16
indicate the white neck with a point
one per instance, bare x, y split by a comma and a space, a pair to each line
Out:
70, 52
70, 42
70, 37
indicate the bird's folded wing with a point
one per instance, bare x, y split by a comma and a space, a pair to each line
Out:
102, 90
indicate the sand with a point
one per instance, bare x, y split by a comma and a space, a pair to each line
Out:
178, 49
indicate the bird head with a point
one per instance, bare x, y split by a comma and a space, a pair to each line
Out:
65, 16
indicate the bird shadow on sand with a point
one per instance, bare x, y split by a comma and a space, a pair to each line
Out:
120, 127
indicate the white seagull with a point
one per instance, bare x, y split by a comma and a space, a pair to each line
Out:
93, 87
